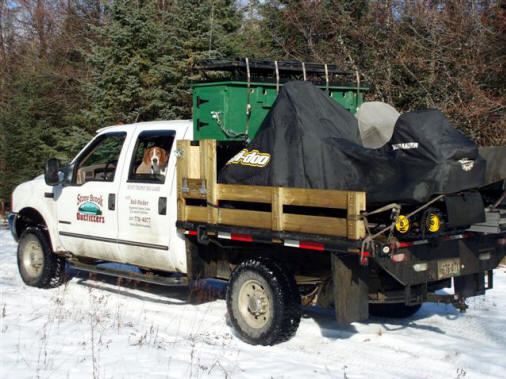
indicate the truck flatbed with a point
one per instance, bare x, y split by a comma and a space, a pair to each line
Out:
298, 210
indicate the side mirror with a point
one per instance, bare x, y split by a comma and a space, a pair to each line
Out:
51, 172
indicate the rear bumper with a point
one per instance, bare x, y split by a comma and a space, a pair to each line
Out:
11, 218
476, 254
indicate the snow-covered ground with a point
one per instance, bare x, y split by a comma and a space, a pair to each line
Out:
97, 329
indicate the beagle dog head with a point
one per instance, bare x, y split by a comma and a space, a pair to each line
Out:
156, 158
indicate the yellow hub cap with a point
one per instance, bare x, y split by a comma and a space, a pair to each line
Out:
433, 223
402, 224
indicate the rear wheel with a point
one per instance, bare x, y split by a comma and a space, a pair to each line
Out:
37, 264
263, 302
393, 310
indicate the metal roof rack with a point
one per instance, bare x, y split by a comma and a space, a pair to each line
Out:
266, 70
267, 66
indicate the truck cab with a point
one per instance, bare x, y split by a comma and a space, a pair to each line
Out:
115, 201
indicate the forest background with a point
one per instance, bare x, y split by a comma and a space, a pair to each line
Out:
69, 67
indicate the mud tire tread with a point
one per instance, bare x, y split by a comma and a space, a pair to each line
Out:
286, 301
53, 271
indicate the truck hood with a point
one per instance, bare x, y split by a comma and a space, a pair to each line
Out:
29, 193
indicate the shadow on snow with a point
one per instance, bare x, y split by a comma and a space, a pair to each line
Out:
204, 291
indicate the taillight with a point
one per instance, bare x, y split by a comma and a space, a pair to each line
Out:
397, 258
501, 241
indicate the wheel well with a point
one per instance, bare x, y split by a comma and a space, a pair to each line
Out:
213, 261
30, 217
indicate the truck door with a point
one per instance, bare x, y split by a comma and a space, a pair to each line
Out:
87, 213
144, 207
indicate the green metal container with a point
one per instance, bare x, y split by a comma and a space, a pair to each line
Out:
220, 108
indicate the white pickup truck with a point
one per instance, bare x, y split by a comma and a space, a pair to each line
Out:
103, 209
124, 199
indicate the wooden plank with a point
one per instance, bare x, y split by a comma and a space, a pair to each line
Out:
239, 217
195, 189
277, 208
237, 192
208, 162
314, 224
196, 214
356, 204
202, 160
181, 168
193, 157
316, 198
356, 229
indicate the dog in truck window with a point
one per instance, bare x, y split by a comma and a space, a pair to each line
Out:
154, 161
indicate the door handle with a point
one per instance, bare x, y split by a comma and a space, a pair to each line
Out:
162, 205
111, 202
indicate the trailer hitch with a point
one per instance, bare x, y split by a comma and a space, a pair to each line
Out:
460, 304
458, 301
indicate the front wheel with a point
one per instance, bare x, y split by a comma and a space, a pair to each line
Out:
263, 302
37, 264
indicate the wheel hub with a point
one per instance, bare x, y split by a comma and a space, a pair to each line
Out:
33, 258
254, 304
257, 303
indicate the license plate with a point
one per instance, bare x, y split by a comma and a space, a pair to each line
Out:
446, 268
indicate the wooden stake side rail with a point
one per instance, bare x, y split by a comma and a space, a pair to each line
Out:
199, 197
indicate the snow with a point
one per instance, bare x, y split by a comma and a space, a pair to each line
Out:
100, 329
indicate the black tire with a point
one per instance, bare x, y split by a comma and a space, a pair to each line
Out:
40, 267
282, 311
393, 310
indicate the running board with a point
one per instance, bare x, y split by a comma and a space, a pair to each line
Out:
147, 278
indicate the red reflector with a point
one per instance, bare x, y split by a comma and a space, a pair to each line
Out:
501, 241
405, 244
311, 245
192, 232
399, 257
241, 237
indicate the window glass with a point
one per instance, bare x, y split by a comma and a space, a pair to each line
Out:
151, 157
99, 163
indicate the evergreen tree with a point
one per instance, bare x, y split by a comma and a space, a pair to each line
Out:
33, 128
141, 61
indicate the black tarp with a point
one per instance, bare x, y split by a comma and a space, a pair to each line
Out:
314, 142
496, 163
